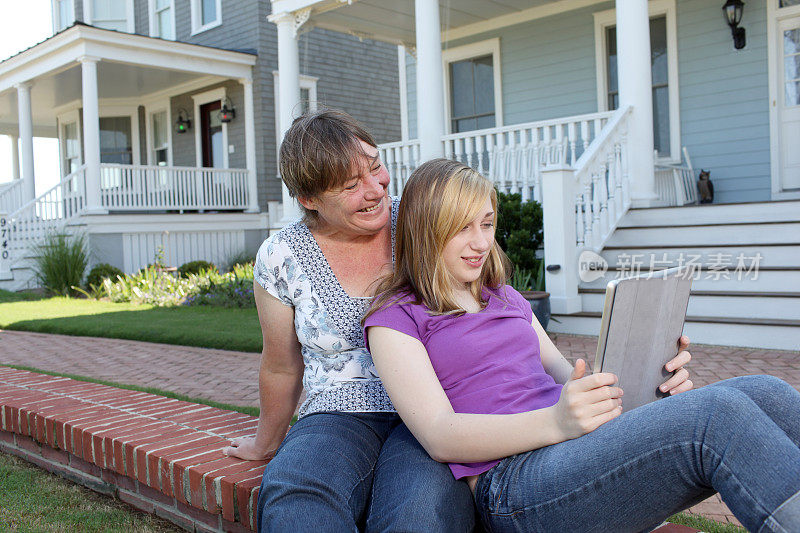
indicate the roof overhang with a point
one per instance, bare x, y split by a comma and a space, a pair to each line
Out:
393, 20
129, 67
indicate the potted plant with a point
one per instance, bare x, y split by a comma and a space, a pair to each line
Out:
519, 233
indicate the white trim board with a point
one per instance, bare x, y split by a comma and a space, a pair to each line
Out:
774, 67
478, 49
655, 8
129, 13
151, 17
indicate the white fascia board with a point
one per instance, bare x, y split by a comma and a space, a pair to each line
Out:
290, 6
144, 223
63, 49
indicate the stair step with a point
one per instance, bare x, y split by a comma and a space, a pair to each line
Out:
768, 280
707, 235
783, 211
772, 256
770, 334
729, 305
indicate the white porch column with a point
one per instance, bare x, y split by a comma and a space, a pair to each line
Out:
15, 156
635, 89
91, 133
26, 135
288, 92
558, 217
250, 144
430, 80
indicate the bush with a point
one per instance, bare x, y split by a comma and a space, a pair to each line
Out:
100, 272
242, 258
519, 230
195, 267
60, 261
157, 287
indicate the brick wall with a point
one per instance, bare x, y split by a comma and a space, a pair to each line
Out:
161, 455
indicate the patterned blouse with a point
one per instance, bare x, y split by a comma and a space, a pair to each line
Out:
339, 374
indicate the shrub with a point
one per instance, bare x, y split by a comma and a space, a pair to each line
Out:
60, 261
195, 267
242, 258
100, 272
519, 229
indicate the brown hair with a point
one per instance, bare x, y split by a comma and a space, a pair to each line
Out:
319, 153
440, 198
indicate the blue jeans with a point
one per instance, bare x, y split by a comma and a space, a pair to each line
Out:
739, 437
339, 472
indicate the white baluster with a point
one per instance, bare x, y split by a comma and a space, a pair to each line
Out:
612, 193
524, 166
579, 221
603, 193
469, 149
587, 214
596, 229
571, 134
479, 147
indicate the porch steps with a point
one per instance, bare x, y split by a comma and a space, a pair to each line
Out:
728, 306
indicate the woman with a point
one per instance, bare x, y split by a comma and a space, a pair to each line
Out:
543, 446
348, 463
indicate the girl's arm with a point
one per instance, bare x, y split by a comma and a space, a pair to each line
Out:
560, 369
279, 378
406, 371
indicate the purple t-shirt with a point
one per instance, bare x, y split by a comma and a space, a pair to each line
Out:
487, 362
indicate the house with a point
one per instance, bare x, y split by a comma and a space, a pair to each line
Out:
165, 111
604, 111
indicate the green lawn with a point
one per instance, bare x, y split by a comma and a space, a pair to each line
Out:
209, 327
32, 500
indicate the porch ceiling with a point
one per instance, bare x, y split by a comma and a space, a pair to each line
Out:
393, 20
125, 72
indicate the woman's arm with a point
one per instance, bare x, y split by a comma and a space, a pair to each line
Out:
279, 379
409, 378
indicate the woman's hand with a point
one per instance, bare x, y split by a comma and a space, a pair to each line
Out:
587, 402
246, 448
679, 382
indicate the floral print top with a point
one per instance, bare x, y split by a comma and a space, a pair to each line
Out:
339, 374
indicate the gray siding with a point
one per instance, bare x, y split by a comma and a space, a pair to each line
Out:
548, 70
725, 99
141, 16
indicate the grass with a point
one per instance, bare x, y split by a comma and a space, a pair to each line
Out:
704, 524
33, 500
252, 411
207, 327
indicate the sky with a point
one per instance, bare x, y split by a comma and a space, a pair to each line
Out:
23, 29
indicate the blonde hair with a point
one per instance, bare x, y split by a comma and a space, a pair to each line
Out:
440, 198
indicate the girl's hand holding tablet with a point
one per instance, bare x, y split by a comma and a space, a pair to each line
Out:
587, 402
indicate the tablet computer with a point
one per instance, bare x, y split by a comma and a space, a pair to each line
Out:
642, 321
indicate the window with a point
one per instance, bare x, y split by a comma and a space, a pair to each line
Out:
206, 14
660, 80
789, 3
110, 14
63, 14
472, 86
115, 140
664, 66
162, 20
72, 147
160, 140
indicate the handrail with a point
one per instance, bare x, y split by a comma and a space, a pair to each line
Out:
60, 184
602, 184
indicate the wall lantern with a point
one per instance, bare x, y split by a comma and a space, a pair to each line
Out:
183, 123
227, 112
733, 15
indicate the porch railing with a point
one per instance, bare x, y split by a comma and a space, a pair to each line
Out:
511, 156
603, 184
10, 196
49, 212
400, 159
146, 188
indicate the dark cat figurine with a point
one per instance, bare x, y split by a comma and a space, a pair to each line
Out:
705, 187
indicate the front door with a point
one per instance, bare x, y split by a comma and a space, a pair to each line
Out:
211, 135
789, 102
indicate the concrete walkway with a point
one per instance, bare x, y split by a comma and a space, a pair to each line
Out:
231, 377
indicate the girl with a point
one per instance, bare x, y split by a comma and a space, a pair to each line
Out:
543, 446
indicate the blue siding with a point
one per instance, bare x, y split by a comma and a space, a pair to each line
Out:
548, 69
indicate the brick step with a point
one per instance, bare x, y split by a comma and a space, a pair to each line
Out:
159, 454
